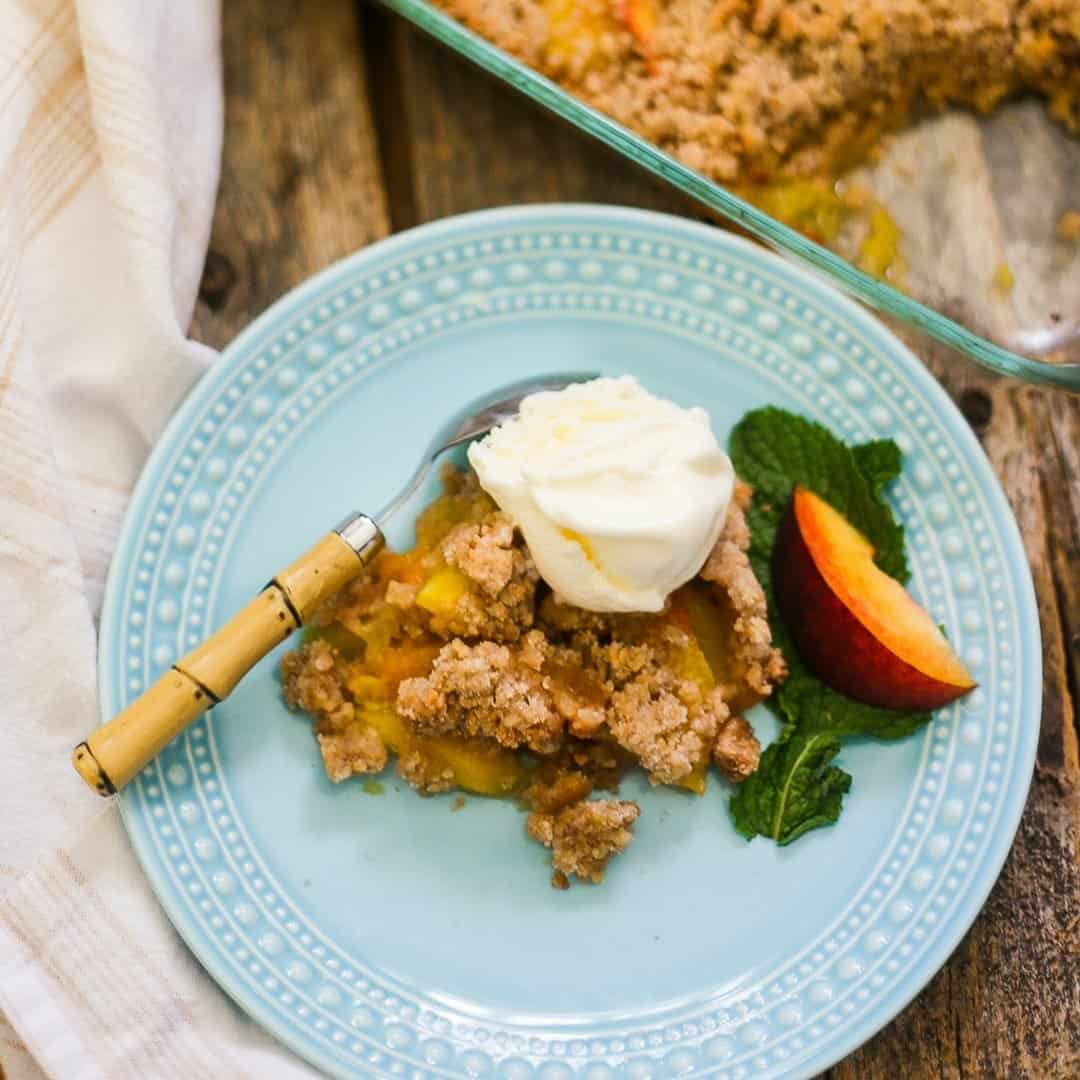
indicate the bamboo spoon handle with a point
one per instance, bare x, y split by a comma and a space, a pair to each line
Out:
111, 755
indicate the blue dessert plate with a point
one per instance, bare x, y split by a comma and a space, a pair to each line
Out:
385, 935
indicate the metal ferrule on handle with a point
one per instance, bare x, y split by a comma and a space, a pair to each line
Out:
110, 756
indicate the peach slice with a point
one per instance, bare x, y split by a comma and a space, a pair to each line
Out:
475, 765
854, 626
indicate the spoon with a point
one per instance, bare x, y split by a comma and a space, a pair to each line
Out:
115, 752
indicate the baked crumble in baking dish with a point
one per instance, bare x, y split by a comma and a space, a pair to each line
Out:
753, 91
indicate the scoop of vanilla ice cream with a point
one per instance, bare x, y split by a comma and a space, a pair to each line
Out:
620, 495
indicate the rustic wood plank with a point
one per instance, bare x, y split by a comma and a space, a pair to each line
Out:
1005, 1004
474, 142
383, 38
301, 183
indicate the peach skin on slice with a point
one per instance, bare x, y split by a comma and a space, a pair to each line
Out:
854, 626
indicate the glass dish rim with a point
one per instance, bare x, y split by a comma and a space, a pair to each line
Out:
855, 283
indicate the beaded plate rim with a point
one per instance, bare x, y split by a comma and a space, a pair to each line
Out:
700, 1051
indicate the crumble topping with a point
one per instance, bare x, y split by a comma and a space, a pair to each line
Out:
311, 679
563, 790
729, 568
584, 837
736, 750
665, 723
422, 774
491, 556
484, 552
456, 658
757, 90
401, 594
484, 690
563, 618
355, 750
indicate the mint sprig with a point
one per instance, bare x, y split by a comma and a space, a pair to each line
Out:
795, 788
773, 450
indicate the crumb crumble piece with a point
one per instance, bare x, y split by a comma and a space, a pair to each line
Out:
483, 551
401, 594
666, 723
565, 789
311, 678
416, 769
500, 604
584, 837
736, 750
728, 567
485, 690
354, 751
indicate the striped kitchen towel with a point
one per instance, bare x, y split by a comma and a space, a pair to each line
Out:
110, 139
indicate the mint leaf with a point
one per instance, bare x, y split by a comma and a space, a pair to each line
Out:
773, 450
795, 788
879, 462
805, 700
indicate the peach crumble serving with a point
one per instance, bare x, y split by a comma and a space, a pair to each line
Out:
600, 596
752, 91
458, 659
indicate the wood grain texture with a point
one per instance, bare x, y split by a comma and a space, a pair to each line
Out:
1005, 1004
303, 184
474, 143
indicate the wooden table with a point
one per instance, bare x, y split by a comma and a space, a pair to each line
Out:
343, 126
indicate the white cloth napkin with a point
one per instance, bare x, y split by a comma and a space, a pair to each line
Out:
110, 138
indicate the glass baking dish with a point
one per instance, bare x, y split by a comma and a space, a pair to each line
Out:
1032, 305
